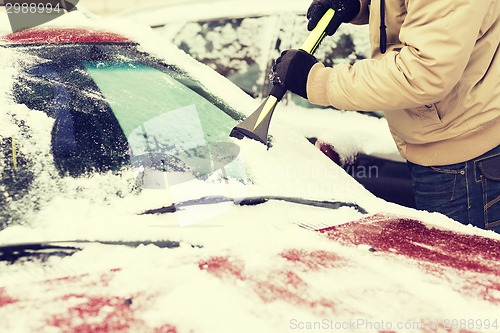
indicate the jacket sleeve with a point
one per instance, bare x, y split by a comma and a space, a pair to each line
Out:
437, 39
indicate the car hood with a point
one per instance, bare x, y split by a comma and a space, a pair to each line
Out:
384, 271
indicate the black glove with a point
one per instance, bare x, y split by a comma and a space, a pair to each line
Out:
345, 11
292, 69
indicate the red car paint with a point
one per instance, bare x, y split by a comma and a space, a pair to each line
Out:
85, 303
313, 261
5, 299
63, 36
275, 285
475, 259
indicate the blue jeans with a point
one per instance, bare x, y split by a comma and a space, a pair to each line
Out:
467, 192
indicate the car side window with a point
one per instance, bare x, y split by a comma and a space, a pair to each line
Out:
237, 48
349, 44
243, 49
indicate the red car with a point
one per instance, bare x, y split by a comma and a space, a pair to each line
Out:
126, 207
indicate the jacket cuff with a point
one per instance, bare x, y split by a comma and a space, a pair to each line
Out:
317, 84
363, 15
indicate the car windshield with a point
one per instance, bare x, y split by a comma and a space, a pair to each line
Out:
114, 106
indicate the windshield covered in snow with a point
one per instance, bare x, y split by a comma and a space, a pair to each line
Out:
111, 113
114, 106
166, 124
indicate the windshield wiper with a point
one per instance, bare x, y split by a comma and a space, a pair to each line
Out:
252, 201
38, 251
43, 250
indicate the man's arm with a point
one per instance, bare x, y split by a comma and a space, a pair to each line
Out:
438, 38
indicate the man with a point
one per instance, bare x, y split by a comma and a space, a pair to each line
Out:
435, 72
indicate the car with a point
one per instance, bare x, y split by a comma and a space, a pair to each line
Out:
127, 207
241, 40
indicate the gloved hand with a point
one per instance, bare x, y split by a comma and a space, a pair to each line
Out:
292, 69
345, 11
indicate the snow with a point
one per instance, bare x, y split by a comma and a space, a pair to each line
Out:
371, 135
240, 279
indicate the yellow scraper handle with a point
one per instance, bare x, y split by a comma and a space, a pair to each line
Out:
316, 35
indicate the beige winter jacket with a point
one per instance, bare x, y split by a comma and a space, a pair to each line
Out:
438, 82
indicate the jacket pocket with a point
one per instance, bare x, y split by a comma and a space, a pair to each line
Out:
427, 114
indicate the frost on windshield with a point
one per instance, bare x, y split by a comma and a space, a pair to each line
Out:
29, 177
84, 130
23, 150
167, 125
